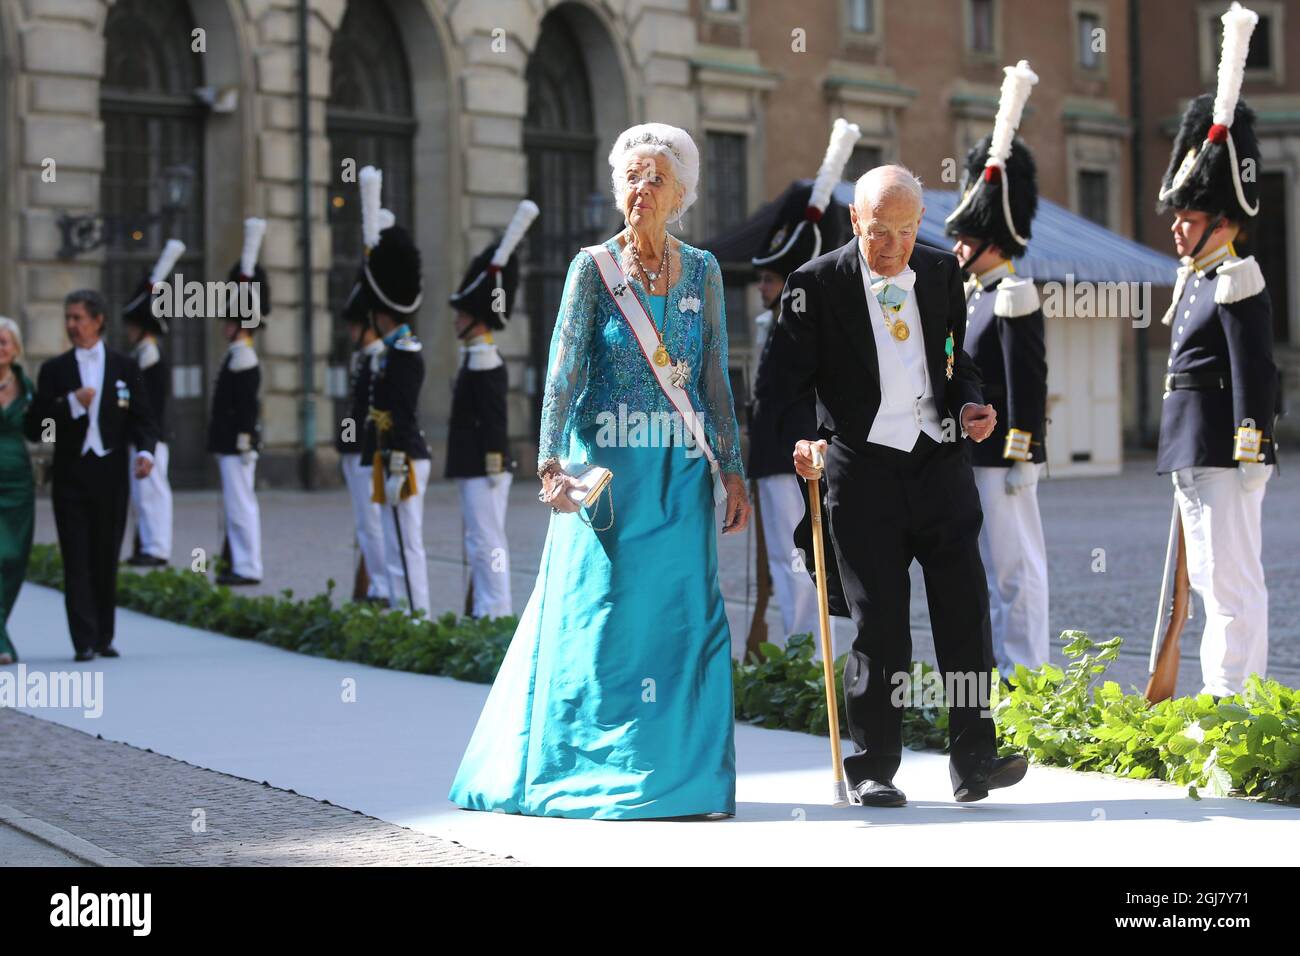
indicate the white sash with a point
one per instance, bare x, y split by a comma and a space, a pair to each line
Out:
629, 306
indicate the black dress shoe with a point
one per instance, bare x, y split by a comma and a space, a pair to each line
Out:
877, 793
236, 580
85, 656
996, 773
109, 651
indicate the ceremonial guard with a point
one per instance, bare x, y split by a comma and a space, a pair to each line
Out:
367, 345
1221, 389
234, 432
1005, 338
478, 456
392, 444
774, 428
151, 496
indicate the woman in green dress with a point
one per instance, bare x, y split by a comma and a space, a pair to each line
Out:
17, 494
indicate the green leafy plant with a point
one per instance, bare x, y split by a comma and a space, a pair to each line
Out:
1246, 745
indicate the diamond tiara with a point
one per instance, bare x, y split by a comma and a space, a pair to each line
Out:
653, 140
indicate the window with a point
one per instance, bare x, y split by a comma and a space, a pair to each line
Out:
1265, 59
981, 26
861, 16
728, 193
151, 123
862, 159
1089, 24
722, 6
1094, 196
1260, 55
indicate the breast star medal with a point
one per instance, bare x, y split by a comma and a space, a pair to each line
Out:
948, 351
681, 373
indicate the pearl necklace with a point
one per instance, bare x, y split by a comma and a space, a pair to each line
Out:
651, 277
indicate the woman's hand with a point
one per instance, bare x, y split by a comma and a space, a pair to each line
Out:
737, 503
555, 486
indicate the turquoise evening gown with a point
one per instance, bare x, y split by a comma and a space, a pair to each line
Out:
615, 697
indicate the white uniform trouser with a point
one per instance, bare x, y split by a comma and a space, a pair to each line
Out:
781, 505
411, 514
368, 523
243, 521
483, 506
1015, 564
1221, 527
152, 499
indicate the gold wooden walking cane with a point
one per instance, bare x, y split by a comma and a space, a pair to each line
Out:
839, 797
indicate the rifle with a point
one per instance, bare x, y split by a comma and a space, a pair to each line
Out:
1165, 653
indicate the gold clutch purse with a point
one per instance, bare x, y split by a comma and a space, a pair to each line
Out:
591, 483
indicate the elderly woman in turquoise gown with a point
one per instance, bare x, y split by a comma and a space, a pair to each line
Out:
17, 493
614, 700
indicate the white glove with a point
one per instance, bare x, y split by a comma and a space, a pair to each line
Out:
1022, 474
494, 468
244, 445
396, 478
1253, 474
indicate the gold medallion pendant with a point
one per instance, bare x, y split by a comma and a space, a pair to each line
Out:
900, 330
661, 355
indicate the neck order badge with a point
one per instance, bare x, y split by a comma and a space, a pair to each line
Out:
892, 295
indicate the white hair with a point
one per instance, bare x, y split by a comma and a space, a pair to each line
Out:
883, 182
9, 325
657, 139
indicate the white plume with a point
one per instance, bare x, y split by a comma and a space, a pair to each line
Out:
386, 218
519, 223
254, 230
1016, 85
372, 183
1238, 25
172, 251
843, 135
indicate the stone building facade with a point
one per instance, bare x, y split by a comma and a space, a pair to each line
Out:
470, 105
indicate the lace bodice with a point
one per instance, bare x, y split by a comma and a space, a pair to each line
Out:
595, 363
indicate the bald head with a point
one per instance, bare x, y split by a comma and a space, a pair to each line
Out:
886, 182
886, 213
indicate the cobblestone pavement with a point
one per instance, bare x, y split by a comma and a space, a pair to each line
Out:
307, 539
147, 808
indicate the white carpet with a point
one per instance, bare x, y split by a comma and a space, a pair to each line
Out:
270, 715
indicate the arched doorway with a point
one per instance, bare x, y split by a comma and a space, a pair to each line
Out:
152, 121
576, 105
370, 121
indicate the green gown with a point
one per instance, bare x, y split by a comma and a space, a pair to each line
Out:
17, 505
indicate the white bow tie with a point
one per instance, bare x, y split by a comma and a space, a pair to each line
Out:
904, 280
87, 354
